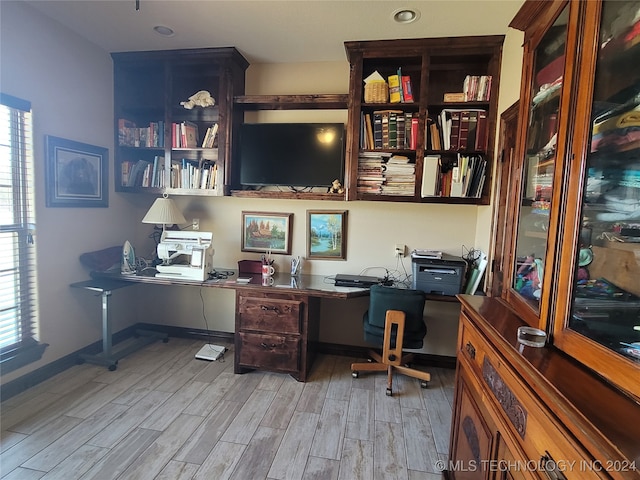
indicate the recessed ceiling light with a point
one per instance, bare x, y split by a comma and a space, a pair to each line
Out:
164, 31
405, 15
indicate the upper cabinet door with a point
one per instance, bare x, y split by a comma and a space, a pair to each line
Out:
599, 265
539, 160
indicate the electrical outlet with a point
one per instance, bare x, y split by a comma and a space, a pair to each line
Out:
195, 224
399, 250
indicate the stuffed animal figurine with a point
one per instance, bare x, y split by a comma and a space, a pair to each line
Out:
199, 99
336, 187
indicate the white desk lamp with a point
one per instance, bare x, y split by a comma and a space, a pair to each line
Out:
164, 212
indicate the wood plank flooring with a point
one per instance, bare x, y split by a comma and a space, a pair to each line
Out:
164, 415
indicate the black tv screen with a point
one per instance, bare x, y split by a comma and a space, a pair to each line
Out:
291, 154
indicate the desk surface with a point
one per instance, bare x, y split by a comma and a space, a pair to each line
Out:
312, 285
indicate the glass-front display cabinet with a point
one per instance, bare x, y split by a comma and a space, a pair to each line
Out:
599, 320
540, 146
574, 260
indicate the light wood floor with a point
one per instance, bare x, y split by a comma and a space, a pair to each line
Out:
165, 415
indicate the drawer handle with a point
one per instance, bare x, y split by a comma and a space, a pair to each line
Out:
267, 347
266, 308
471, 350
549, 466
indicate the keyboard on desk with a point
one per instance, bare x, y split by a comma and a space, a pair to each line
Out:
362, 281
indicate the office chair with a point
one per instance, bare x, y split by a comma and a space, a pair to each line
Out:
394, 321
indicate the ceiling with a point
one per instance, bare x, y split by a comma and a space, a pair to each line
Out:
272, 31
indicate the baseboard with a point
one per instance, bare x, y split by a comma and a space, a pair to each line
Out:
31, 379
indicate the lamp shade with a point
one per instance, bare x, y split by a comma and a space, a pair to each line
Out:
164, 212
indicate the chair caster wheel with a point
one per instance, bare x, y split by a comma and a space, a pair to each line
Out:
389, 392
112, 367
424, 384
355, 374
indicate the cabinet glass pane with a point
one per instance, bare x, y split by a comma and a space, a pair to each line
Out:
539, 162
606, 292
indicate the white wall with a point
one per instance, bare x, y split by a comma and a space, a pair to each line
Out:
69, 82
70, 85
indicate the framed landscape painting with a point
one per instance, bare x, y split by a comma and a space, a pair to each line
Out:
327, 234
76, 174
266, 232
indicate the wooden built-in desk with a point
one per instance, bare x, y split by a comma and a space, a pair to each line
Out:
276, 325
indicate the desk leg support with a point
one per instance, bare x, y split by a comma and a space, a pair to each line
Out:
108, 357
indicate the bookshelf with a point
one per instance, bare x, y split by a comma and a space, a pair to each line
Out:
388, 140
162, 146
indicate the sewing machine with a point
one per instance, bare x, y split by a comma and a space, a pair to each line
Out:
185, 255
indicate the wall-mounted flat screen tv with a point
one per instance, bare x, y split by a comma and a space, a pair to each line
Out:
291, 154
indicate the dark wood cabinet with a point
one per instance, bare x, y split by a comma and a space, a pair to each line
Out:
149, 89
526, 412
276, 332
435, 68
563, 253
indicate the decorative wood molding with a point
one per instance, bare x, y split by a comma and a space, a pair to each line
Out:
507, 400
292, 102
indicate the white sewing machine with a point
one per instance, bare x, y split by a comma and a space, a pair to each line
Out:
185, 255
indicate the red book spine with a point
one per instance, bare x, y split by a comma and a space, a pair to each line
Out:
414, 134
407, 91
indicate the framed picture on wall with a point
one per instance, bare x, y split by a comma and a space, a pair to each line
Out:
264, 231
76, 174
327, 234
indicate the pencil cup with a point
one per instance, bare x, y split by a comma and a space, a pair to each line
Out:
267, 271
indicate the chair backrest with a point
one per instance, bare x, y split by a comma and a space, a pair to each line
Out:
411, 302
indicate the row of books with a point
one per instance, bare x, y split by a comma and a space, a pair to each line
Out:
389, 129
477, 88
385, 174
456, 129
462, 176
143, 173
193, 174
185, 135
184, 173
400, 89
150, 136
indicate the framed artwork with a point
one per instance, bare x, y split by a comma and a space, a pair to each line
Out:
76, 174
265, 231
327, 234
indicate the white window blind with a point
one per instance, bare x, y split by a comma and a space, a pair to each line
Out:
18, 294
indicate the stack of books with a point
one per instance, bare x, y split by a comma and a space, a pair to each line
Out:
370, 177
399, 176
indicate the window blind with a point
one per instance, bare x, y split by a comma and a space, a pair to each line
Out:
18, 292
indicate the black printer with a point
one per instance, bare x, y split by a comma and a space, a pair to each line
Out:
439, 276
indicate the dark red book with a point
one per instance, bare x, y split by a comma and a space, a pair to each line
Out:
464, 130
481, 132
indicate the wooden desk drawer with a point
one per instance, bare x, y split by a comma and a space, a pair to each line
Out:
270, 314
269, 352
